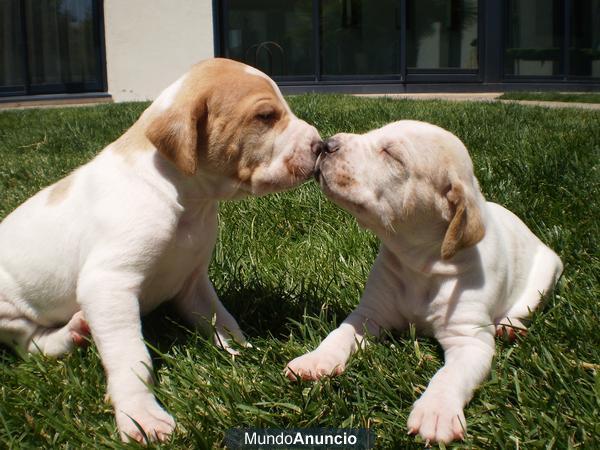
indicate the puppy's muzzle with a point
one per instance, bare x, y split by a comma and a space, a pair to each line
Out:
318, 147
331, 145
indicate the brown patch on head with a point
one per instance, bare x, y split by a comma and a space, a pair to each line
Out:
221, 117
343, 180
59, 190
466, 226
177, 132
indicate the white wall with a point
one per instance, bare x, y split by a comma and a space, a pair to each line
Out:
150, 43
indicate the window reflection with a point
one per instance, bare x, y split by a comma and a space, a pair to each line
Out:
360, 37
11, 46
585, 38
534, 37
61, 41
272, 35
442, 34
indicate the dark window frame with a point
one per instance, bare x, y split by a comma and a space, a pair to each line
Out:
28, 89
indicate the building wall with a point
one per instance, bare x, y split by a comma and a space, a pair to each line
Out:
150, 43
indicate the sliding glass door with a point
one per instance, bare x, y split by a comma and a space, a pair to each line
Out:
584, 49
50, 46
534, 38
271, 35
414, 41
358, 39
352, 40
552, 39
12, 66
442, 34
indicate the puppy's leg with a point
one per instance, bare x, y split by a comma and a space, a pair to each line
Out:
58, 341
376, 310
111, 308
438, 415
330, 357
28, 336
546, 270
201, 306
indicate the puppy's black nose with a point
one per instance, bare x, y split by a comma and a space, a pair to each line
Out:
318, 147
331, 145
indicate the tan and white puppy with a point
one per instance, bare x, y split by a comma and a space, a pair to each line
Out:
451, 263
136, 226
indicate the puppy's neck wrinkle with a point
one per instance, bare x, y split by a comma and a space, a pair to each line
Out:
422, 253
426, 261
194, 190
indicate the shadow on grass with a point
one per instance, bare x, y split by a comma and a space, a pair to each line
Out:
261, 311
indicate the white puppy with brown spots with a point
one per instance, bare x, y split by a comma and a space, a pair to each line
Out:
136, 226
451, 263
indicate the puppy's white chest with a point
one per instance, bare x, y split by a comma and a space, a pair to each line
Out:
193, 231
418, 299
190, 247
414, 303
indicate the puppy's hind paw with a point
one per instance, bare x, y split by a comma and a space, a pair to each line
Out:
79, 329
509, 329
56, 342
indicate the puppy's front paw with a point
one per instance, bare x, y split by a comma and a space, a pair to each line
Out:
314, 366
224, 341
155, 421
437, 418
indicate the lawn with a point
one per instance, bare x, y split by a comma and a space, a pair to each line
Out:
291, 266
579, 97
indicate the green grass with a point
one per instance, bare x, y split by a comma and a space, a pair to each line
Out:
291, 266
579, 97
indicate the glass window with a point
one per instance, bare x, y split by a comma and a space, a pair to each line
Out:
585, 38
272, 35
360, 37
11, 46
62, 42
62, 51
534, 38
442, 34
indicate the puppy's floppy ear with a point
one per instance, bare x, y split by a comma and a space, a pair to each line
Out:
466, 226
178, 131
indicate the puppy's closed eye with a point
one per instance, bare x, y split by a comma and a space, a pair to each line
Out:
267, 116
393, 155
